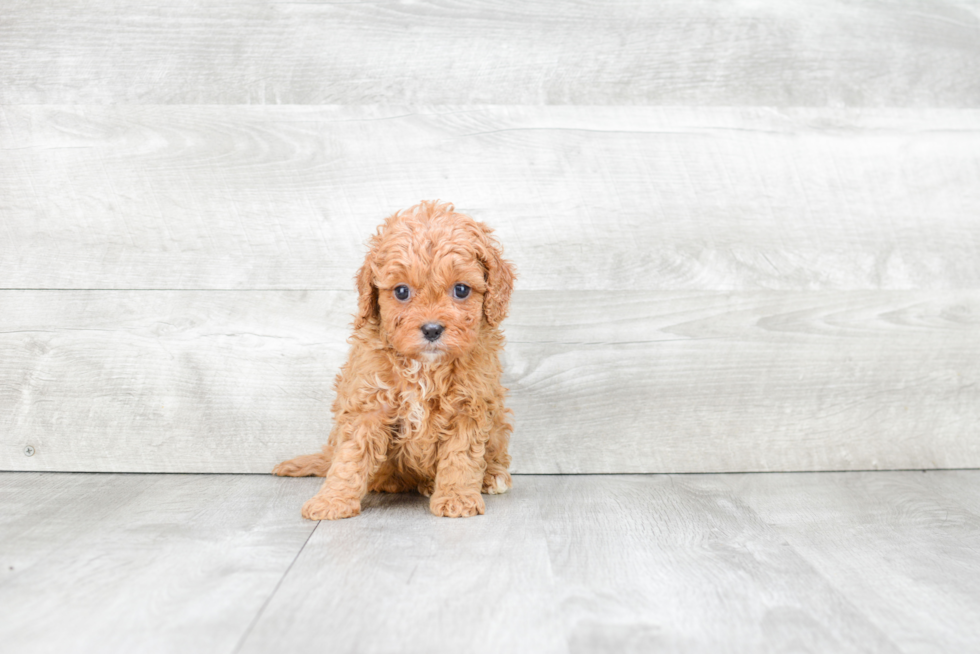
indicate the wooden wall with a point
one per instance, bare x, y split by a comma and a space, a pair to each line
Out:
748, 234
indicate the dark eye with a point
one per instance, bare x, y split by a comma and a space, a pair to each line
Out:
461, 291
402, 292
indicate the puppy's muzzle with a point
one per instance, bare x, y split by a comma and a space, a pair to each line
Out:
432, 331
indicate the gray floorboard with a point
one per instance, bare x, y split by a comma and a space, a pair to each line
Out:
141, 563
903, 547
824, 562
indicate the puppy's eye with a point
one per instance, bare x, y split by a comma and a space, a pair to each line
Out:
461, 291
402, 292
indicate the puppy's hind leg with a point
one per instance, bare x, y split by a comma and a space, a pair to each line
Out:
496, 479
308, 465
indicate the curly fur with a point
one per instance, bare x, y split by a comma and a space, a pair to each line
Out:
411, 414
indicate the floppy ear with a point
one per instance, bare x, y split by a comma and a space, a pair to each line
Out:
500, 278
367, 292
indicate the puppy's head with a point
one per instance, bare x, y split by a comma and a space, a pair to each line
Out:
432, 279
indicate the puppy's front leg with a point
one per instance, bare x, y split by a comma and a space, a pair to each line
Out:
362, 448
459, 473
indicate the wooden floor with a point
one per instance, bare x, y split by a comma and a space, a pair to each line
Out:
831, 562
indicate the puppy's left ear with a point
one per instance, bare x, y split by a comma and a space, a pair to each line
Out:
500, 277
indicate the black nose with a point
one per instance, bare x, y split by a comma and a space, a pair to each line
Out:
432, 331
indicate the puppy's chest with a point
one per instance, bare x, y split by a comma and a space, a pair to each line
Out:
422, 411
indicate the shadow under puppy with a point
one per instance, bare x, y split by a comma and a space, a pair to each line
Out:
419, 402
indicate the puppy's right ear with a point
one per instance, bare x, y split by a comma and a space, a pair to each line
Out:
367, 292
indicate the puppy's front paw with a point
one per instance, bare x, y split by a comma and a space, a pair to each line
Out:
426, 487
451, 505
496, 483
329, 508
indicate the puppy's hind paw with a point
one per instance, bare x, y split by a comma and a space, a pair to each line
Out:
496, 484
308, 465
285, 469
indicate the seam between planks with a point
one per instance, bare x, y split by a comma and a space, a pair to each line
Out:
258, 614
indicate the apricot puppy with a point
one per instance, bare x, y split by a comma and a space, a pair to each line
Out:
419, 402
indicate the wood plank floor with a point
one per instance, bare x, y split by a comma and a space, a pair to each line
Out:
835, 562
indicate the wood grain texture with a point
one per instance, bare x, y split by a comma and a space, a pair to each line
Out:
924, 594
792, 53
126, 563
600, 381
747, 233
759, 381
677, 563
169, 381
403, 580
881, 562
602, 198
631, 564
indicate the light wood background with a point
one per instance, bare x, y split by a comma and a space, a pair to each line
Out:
748, 234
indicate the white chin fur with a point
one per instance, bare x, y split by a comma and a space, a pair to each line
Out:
431, 356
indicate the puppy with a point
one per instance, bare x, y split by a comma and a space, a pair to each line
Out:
419, 402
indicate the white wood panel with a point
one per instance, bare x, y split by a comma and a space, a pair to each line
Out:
736, 382
141, 563
600, 382
168, 382
791, 53
582, 197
